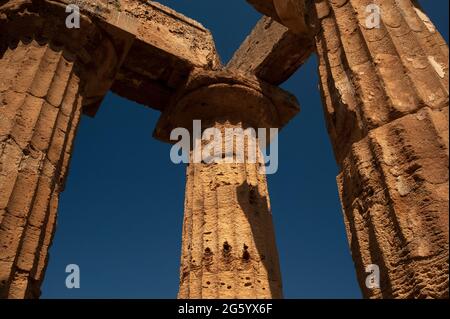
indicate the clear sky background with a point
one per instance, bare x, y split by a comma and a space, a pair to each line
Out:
120, 218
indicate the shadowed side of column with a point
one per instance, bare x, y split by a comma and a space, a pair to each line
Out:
48, 76
228, 248
385, 92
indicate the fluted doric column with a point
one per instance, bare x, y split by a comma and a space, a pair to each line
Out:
228, 248
48, 75
385, 94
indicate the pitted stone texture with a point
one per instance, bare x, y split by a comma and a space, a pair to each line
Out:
385, 92
228, 248
360, 68
46, 81
385, 95
40, 113
394, 190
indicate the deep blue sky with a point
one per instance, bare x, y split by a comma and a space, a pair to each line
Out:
120, 217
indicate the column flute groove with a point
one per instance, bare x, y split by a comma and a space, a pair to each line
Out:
385, 95
230, 251
52, 74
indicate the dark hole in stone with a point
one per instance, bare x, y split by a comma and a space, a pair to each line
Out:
208, 256
246, 254
418, 178
226, 248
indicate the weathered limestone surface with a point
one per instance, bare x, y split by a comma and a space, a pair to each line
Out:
228, 246
272, 52
51, 74
385, 94
394, 191
47, 77
167, 47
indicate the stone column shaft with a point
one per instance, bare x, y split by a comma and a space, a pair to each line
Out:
49, 74
41, 103
385, 94
228, 248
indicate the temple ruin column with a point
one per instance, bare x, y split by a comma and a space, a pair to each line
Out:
49, 75
385, 94
228, 248
384, 82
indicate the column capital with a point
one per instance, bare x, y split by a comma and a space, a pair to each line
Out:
227, 95
98, 46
